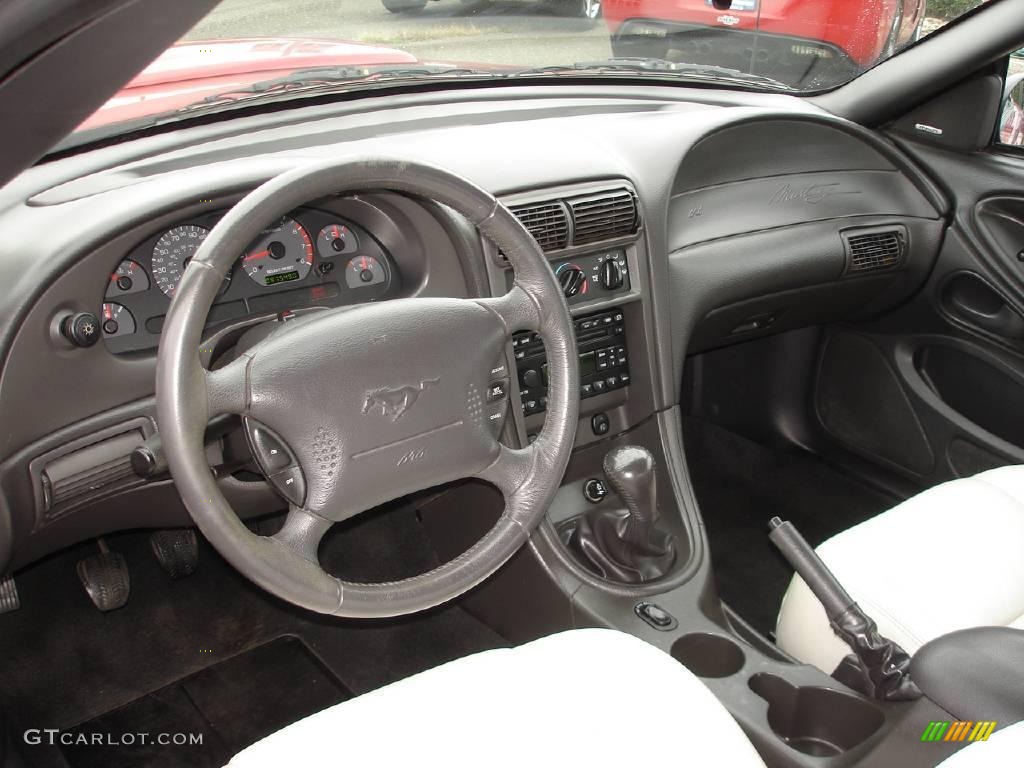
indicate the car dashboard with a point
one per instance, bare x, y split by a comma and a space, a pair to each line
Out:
676, 220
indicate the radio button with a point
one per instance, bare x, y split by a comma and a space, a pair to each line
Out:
586, 390
531, 378
599, 386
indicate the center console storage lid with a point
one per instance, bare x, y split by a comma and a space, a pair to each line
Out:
974, 674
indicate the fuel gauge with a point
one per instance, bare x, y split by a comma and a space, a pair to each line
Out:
364, 271
117, 321
336, 240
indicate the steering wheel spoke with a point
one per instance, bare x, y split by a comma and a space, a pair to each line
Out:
227, 388
302, 533
517, 309
511, 470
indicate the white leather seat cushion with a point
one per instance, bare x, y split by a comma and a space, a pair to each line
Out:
949, 558
589, 697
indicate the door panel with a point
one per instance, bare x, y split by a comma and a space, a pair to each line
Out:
949, 400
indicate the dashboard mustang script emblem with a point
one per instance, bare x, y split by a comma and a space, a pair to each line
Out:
393, 403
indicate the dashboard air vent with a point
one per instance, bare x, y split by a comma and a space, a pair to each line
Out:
869, 250
547, 222
603, 216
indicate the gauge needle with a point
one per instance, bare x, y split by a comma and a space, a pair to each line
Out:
257, 255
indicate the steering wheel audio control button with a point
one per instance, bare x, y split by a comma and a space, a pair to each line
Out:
267, 448
497, 390
291, 484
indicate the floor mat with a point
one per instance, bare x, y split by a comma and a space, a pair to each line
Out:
62, 662
206, 718
740, 486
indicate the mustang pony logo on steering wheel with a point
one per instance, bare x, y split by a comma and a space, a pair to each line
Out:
394, 403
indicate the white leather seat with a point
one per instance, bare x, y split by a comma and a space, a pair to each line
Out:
589, 697
949, 558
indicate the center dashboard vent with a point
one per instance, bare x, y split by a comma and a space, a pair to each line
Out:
581, 219
874, 249
547, 222
603, 216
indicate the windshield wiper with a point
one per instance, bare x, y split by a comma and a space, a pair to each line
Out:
659, 67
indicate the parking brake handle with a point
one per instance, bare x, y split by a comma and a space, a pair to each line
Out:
878, 667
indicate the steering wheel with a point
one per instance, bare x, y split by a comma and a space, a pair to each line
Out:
371, 403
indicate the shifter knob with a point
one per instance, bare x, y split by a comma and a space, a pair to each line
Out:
630, 470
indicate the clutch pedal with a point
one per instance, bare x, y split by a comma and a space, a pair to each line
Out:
9, 600
105, 578
176, 550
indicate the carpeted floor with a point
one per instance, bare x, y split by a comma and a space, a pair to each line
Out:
64, 663
740, 486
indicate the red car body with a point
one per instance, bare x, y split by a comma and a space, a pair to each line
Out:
188, 72
800, 42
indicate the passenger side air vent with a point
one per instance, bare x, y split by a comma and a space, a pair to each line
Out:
870, 250
603, 216
548, 222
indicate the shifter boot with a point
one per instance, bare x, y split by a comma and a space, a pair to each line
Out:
606, 541
626, 545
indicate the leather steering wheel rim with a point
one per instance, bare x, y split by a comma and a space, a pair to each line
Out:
320, 364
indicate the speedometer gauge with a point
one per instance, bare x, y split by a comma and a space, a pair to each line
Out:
283, 253
172, 253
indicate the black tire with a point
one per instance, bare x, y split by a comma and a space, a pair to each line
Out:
404, 6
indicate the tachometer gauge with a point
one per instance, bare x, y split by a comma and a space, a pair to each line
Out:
172, 253
283, 253
116, 321
336, 240
129, 277
364, 271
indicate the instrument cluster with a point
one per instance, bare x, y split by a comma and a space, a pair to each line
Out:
307, 258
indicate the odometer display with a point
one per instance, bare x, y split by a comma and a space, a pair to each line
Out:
281, 277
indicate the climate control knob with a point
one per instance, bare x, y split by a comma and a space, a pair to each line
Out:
572, 281
611, 275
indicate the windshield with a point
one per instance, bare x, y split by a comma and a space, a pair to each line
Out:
247, 51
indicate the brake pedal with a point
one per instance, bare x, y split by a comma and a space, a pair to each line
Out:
9, 600
177, 551
105, 578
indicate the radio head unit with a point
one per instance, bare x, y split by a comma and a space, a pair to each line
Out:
604, 360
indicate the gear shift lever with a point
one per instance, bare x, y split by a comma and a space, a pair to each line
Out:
626, 545
630, 470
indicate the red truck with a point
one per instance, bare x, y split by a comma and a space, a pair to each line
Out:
808, 44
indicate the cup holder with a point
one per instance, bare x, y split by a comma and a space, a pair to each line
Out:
708, 655
816, 721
